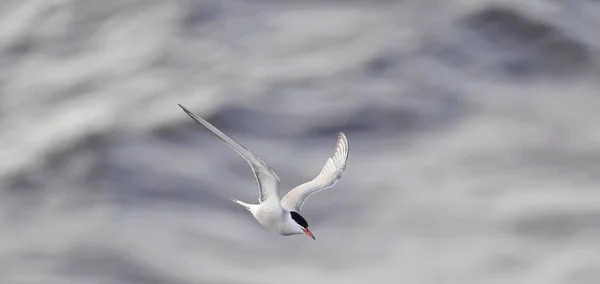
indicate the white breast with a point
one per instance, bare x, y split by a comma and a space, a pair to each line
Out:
270, 216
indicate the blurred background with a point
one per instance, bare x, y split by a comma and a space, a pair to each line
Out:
474, 132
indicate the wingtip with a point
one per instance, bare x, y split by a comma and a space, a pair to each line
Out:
342, 136
185, 109
345, 145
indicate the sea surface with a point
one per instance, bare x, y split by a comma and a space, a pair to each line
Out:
474, 131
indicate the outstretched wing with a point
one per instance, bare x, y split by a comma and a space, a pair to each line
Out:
329, 176
268, 182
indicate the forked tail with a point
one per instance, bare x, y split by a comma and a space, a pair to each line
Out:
245, 205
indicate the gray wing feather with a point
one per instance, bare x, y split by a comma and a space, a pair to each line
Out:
329, 176
267, 180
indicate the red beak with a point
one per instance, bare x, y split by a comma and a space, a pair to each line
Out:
306, 231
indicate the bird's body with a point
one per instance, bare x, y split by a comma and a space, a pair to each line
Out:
271, 215
275, 214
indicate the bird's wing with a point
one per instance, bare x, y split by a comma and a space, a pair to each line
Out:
268, 182
329, 176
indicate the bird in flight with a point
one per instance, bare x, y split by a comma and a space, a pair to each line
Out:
282, 215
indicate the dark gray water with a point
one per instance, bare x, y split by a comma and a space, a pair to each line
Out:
473, 129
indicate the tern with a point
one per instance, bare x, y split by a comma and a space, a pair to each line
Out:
275, 214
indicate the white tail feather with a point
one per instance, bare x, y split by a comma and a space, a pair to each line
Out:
245, 205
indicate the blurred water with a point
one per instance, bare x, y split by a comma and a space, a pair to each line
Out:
473, 131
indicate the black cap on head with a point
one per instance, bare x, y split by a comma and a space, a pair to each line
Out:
299, 219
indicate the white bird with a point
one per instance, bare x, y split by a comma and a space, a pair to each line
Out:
281, 216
